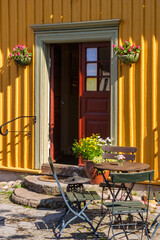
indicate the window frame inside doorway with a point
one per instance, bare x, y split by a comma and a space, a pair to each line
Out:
46, 34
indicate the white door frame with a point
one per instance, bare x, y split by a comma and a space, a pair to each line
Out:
45, 34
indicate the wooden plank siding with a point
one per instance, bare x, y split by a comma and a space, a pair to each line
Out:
138, 85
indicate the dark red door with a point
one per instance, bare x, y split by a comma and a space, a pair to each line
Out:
55, 103
94, 89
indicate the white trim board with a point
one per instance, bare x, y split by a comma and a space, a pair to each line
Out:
45, 34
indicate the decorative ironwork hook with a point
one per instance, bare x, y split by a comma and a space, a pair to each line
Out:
4, 134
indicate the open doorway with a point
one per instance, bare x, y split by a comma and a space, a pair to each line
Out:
64, 101
87, 65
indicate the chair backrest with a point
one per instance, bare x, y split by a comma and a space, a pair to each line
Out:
56, 178
111, 152
132, 177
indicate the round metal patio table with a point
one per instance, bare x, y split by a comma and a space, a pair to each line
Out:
126, 167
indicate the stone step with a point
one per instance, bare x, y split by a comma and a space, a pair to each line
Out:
29, 198
63, 170
38, 193
35, 184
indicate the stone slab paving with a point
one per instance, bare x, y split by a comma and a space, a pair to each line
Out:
28, 223
19, 222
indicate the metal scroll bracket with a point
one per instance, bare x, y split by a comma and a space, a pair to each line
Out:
7, 131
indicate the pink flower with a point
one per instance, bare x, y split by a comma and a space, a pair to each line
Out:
26, 55
130, 50
114, 45
14, 49
15, 54
138, 46
126, 42
19, 45
122, 48
23, 47
16, 46
10, 55
133, 46
18, 53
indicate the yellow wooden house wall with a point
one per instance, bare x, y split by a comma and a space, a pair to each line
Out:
138, 85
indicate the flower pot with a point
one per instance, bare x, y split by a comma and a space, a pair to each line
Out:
98, 178
127, 59
93, 174
23, 62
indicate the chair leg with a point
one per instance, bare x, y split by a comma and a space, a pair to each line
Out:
89, 222
123, 227
79, 214
61, 218
102, 201
155, 222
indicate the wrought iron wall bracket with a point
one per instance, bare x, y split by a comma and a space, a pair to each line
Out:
29, 133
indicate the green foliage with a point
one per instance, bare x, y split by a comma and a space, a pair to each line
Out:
89, 147
20, 52
126, 49
8, 194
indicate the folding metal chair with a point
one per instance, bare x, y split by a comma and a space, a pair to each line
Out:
155, 195
118, 209
73, 202
111, 152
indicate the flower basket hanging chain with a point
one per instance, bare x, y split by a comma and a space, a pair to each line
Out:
21, 56
127, 53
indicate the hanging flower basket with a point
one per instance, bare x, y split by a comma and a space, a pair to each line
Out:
23, 62
21, 56
128, 59
127, 53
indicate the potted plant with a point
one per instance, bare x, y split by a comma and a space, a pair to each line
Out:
127, 53
21, 56
89, 149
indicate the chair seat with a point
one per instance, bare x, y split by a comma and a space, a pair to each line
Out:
125, 206
82, 196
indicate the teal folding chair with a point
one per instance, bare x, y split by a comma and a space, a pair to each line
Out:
111, 152
118, 209
73, 202
155, 195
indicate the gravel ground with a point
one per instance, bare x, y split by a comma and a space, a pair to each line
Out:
27, 223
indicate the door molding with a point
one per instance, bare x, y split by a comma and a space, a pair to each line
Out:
45, 34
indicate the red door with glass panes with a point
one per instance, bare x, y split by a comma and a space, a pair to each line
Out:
94, 90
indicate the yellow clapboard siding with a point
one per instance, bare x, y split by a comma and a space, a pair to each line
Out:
154, 88
157, 129
148, 141
137, 29
48, 11
86, 10
124, 93
76, 11
106, 11
117, 8
95, 10
22, 41
57, 11
30, 84
38, 12
138, 85
13, 73
5, 75
66, 13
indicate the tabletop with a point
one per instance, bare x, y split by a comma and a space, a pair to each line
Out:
126, 167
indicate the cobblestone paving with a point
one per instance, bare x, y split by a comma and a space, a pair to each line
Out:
37, 224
